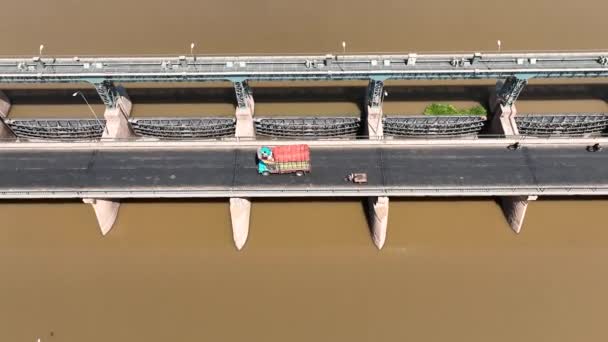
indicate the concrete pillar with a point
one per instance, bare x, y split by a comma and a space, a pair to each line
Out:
375, 129
5, 108
503, 120
244, 123
240, 208
378, 219
106, 212
514, 208
378, 206
502, 105
240, 212
245, 109
118, 110
117, 119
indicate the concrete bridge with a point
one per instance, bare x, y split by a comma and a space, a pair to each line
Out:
488, 168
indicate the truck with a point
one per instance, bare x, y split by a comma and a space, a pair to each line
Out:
284, 159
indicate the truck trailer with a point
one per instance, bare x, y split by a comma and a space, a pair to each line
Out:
284, 159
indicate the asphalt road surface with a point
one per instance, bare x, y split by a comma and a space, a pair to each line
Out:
388, 167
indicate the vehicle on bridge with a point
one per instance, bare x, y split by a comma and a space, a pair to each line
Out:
357, 178
284, 159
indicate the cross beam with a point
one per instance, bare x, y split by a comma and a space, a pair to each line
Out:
108, 92
374, 93
243, 94
508, 92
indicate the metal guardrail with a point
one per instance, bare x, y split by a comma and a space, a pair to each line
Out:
433, 126
303, 127
395, 127
562, 124
57, 129
311, 67
183, 128
329, 140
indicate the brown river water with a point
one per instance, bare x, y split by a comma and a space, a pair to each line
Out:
168, 271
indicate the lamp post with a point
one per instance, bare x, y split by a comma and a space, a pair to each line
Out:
343, 47
499, 43
192, 45
105, 128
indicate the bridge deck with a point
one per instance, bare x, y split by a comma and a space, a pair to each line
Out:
411, 171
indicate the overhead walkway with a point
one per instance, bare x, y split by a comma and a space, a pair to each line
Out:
303, 67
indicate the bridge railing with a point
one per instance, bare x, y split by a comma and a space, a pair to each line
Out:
268, 139
345, 191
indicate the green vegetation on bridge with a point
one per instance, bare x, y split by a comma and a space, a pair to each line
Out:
448, 109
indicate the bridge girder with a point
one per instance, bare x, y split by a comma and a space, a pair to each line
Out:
375, 91
108, 92
244, 95
508, 91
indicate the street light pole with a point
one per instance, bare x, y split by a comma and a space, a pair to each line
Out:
105, 128
384, 94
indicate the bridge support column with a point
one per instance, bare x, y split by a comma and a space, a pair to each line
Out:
373, 105
377, 206
244, 110
240, 208
503, 120
514, 208
502, 105
378, 219
240, 212
118, 110
5, 108
106, 212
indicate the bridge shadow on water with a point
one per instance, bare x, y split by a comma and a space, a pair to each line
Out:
321, 93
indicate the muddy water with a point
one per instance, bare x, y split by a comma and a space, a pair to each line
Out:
168, 271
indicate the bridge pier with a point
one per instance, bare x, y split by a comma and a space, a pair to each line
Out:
244, 110
240, 212
378, 219
502, 105
374, 129
5, 108
514, 208
106, 212
373, 105
503, 120
240, 208
117, 112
